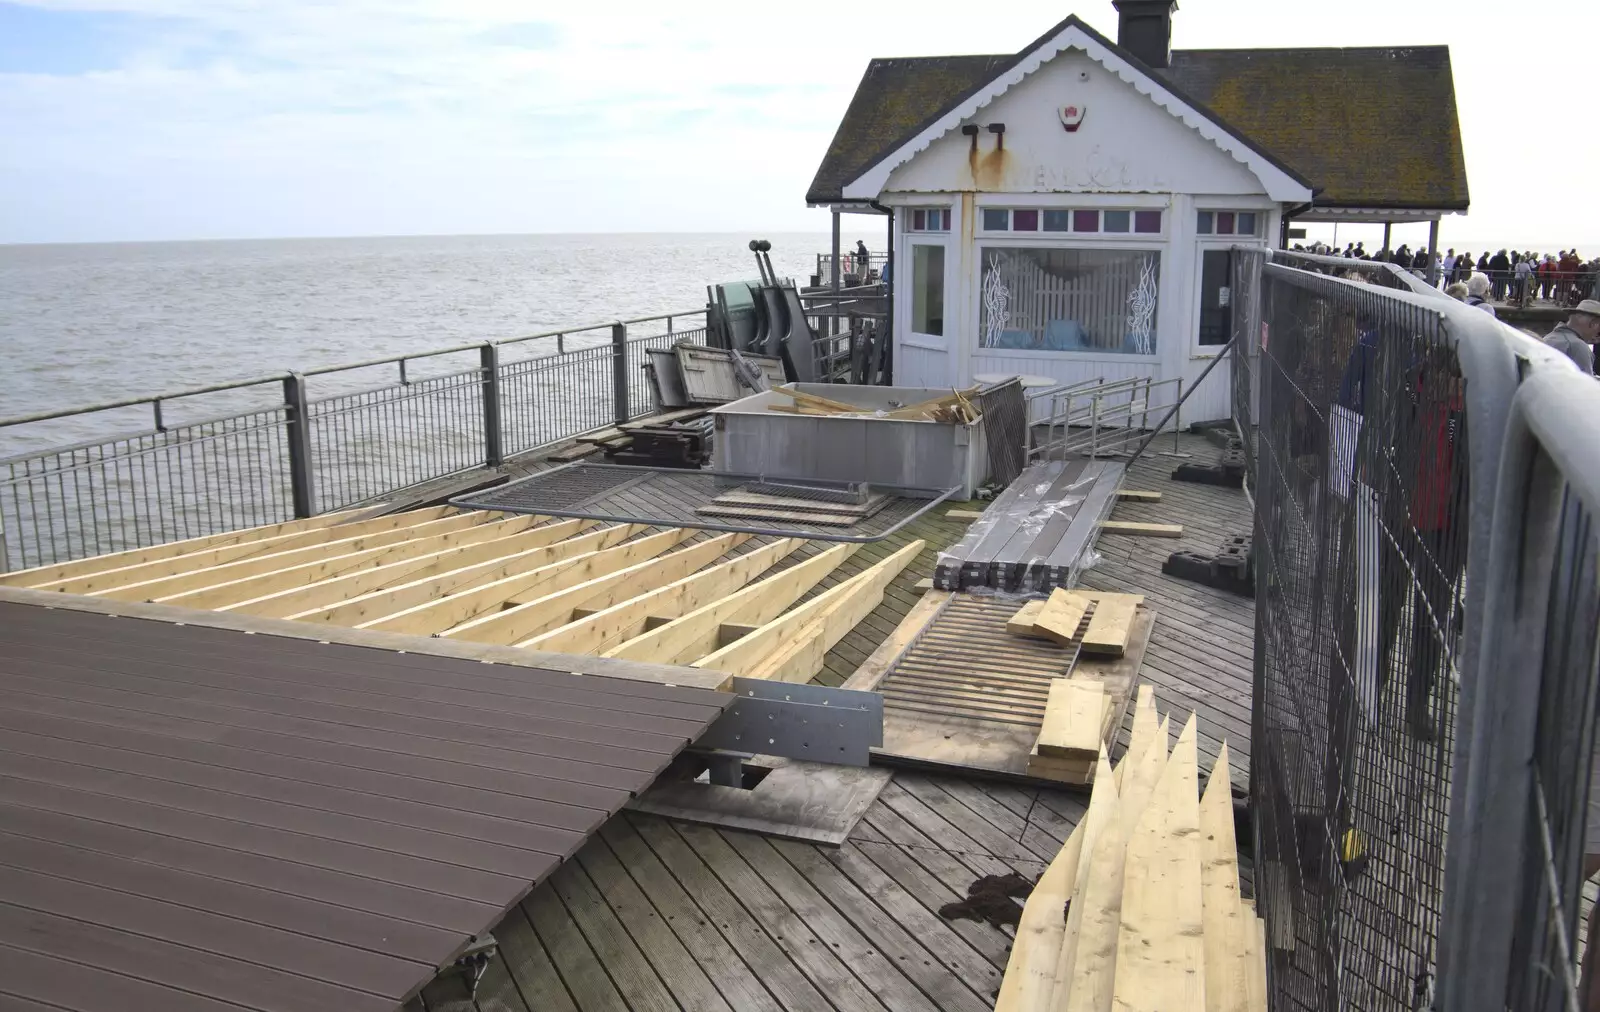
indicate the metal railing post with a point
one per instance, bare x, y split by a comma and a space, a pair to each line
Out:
298, 415
619, 372
493, 448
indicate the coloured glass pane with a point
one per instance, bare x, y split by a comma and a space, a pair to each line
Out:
1147, 221
1224, 222
1118, 221
1086, 221
996, 220
1245, 224
1206, 223
1057, 221
1024, 221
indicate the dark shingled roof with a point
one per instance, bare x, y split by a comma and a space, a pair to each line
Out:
1366, 127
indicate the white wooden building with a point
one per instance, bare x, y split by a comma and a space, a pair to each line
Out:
1066, 211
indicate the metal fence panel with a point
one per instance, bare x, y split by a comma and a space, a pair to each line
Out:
1362, 483
1519, 849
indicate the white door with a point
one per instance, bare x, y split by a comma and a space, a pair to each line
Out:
923, 328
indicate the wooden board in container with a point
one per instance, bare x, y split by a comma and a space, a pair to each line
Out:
965, 695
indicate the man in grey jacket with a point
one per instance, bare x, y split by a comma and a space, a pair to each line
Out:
1576, 337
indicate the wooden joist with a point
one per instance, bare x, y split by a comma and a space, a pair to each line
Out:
1072, 718
1147, 530
96, 576
523, 621
917, 620
1132, 495
562, 564
696, 634
217, 595
621, 622
162, 588
792, 646
1024, 621
40, 577
487, 542
964, 514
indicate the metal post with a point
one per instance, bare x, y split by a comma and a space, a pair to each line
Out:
493, 449
298, 430
619, 372
833, 322
1387, 228
1433, 253
888, 298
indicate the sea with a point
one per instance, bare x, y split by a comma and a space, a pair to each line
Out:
89, 323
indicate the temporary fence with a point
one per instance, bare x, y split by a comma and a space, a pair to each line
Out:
1374, 413
183, 465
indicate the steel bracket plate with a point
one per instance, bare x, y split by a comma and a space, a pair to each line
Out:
812, 722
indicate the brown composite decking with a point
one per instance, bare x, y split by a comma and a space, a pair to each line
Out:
662, 915
201, 818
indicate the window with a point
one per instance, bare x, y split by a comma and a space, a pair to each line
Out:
929, 219
1085, 220
927, 289
1227, 223
1094, 300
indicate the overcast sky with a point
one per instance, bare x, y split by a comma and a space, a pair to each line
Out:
170, 119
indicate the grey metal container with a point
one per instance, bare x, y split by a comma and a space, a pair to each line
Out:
752, 439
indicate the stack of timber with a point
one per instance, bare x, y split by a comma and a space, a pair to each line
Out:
825, 507
1037, 534
1082, 711
675, 596
1141, 909
954, 408
686, 434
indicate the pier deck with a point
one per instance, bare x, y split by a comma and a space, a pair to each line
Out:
658, 914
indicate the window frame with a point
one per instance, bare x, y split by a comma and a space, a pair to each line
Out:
1078, 241
1072, 211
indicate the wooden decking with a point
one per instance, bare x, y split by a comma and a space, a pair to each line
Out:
196, 818
660, 915
1199, 658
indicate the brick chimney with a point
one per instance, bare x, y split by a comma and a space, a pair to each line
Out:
1144, 28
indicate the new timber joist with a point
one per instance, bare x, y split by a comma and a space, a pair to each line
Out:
730, 604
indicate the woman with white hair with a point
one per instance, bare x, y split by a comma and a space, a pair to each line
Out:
1478, 293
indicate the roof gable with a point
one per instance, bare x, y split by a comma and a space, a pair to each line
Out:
1073, 33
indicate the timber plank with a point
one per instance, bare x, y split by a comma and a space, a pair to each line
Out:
1227, 950
1061, 615
618, 950
628, 873
538, 985
1072, 719
1160, 947
1148, 530
1109, 626
792, 931
580, 969
888, 978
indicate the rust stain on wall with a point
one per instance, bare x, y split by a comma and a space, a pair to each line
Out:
988, 168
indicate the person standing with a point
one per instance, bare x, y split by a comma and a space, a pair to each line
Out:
1500, 274
863, 258
1449, 274
1524, 279
1575, 338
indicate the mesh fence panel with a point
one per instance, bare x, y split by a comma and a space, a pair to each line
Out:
1361, 487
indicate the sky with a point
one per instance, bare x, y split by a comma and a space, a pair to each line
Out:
187, 119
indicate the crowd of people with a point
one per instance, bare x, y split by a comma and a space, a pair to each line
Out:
1517, 276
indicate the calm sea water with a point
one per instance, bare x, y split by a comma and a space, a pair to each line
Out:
90, 323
